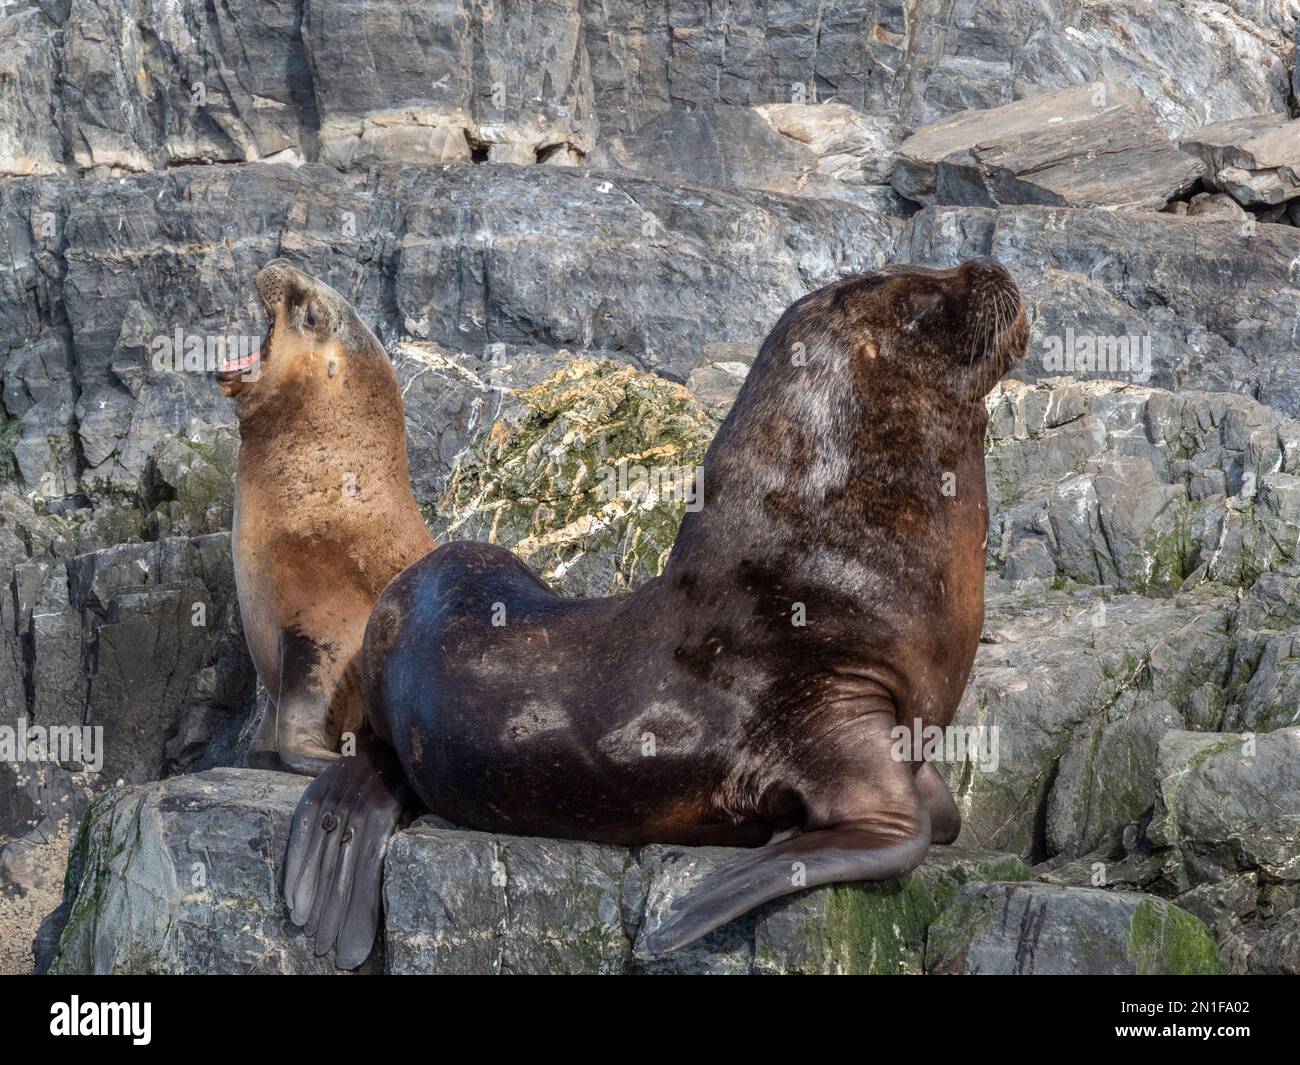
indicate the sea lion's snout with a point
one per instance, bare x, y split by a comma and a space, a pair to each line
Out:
272, 283
997, 325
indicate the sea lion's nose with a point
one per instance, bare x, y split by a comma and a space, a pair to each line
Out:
272, 281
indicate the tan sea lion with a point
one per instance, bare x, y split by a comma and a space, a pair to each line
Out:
324, 513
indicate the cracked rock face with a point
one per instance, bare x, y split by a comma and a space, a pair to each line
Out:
571, 224
125, 86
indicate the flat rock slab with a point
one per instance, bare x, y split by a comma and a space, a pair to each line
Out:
1043, 929
1091, 146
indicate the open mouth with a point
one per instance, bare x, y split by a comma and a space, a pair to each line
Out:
245, 368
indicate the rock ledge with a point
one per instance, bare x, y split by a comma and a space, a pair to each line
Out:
180, 876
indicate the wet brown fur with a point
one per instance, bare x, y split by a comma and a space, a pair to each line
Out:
823, 494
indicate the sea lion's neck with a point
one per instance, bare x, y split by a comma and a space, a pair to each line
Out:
826, 453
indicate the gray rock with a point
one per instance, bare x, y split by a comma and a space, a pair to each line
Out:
1228, 803
468, 257
1255, 159
1215, 205
560, 258
1042, 929
843, 929
921, 64
473, 903
120, 87
821, 150
1271, 950
142, 641
30, 103
1223, 905
435, 85
1138, 488
183, 876
1093, 146
1070, 694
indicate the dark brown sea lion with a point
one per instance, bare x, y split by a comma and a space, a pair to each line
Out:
830, 588
324, 514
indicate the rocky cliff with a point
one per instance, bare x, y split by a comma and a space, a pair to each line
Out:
571, 223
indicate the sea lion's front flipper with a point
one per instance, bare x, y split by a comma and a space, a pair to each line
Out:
867, 822
334, 866
302, 711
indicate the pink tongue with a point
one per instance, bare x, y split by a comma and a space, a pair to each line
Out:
240, 365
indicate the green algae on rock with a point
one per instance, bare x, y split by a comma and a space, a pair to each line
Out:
1045, 929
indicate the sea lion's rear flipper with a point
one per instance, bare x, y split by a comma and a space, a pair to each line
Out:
302, 711
846, 852
868, 822
945, 818
333, 870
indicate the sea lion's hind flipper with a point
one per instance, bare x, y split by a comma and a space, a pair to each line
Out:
945, 818
337, 842
845, 852
302, 711
864, 820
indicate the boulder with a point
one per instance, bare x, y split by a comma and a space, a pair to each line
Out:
1045, 930
587, 481
1256, 159
1228, 803
183, 876
1092, 146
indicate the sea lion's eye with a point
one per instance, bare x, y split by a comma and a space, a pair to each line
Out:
310, 318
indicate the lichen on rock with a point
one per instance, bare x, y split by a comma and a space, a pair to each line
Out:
586, 479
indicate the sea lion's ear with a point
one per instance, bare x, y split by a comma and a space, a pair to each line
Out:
918, 299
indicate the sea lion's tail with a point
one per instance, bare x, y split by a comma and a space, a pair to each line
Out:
849, 851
